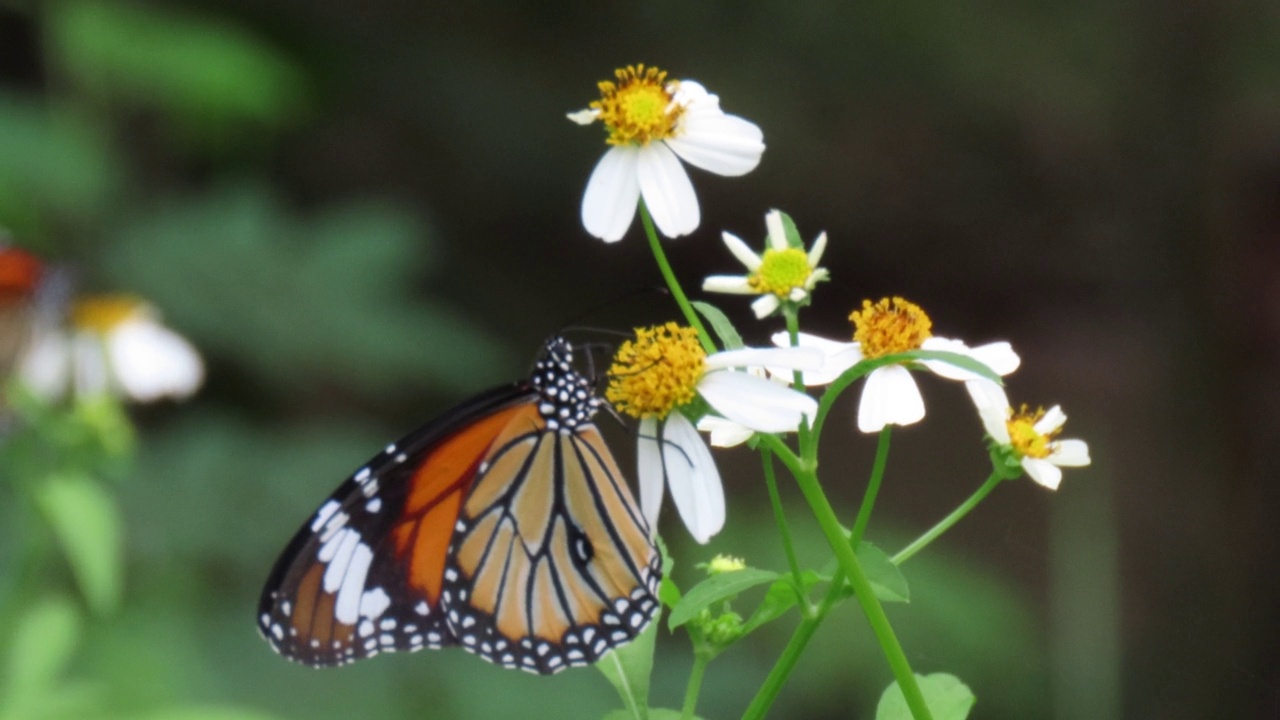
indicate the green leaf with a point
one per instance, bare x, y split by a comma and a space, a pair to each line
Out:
886, 579
946, 696
208, 713
42, 646
715, 589
85, 520
963, 362
779, 598
654, 714
725, 330
628, 669
791, 231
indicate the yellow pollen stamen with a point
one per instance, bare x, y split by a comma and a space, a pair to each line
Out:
102, 313
781, 271
657, 372
890, 326
1023, 435
638, 108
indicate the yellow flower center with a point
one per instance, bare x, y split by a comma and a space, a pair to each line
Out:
781, 272
657, 372
721, 564
637, 109
1023, 435
890, 326
102, 313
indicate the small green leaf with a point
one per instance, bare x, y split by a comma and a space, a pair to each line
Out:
779, 598
714, 589
42, 646
946, 696
791, 231
85, 520
628, 669
725, 330
886, 579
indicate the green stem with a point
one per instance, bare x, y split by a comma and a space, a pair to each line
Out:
700, 661
873, 487
669, 275
921, 542
876, 617
788, 546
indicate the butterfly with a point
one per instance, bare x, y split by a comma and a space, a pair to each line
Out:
503, 526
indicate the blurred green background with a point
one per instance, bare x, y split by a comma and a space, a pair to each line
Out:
363, 213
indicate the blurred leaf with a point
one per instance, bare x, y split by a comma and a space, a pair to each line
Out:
946, 696
780, 597
654, 714
42, 645
886, 580
304, 300
715, 589
203, 69
629, 668
85, 520
55, 164
207, 713
728, 334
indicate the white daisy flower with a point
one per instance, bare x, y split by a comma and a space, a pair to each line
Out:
653, 124
893, 325
783, 272
1030, 436
116, 345
656, 376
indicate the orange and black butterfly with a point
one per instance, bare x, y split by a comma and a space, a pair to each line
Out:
504, 526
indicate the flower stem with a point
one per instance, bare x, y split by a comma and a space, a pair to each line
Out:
700, 661
788, 546
945, 524
826, 516
669, 275
873, 487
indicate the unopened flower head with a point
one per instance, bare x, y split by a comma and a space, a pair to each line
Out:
653, 123
784, 272
721, 564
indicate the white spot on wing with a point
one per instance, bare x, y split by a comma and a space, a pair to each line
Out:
344, 544
347, 607
374, 602
323, 514
374, 505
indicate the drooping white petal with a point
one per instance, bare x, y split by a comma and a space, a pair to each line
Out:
692, 477
733, 284
1053, 419
585, 116
777, 233
1043, 472
993, 408
613, 192
792, 358
723, 144
46, 365
754, 402
150, 361
667, 191
724, 433
999, 356
837, 356
890, 397
742, 251
1069, 453
649, 471
819, 246
764, 305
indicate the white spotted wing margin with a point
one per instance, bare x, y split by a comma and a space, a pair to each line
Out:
339, 593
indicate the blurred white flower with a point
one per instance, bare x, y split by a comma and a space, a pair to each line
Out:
653, 124
1030, 435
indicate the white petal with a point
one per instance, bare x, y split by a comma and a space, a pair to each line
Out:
692, 477
764, 305
585, 116
649, 471
733, 284
742, 251
999, 356
800, 358
667, 192
754, 402
993, 408
46, 364
1069, 453
726, 145
837, 356
1043, 472
151, 361
797, 294
612, 194
777, 234
1052, 420
890, 397
724, 433
819, 246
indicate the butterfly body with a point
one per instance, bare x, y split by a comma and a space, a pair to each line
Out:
504, 527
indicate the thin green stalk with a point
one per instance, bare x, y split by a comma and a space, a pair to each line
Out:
852, 568
669, 275
700, 661
873, 487
807, 439
788, 546
921, 542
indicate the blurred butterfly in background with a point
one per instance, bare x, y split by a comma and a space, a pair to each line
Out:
503, 526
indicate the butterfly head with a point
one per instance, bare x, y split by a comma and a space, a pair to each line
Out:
568, 397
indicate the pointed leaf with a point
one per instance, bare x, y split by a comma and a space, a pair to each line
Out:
87, 524
628, 669
41, 647
779, 598
791, 231
715, 589
947, 697
886, 580
728, 334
